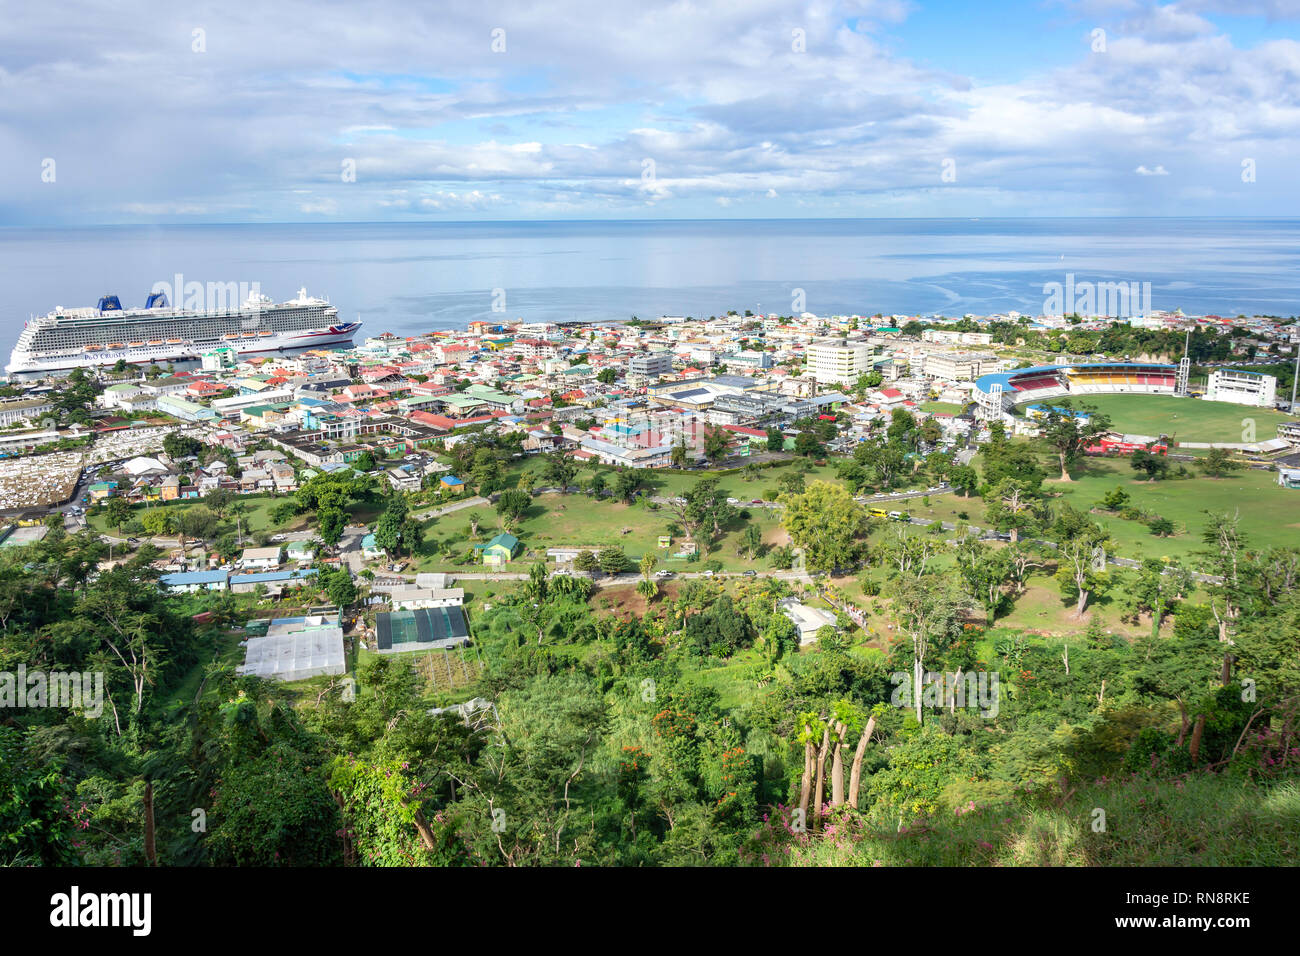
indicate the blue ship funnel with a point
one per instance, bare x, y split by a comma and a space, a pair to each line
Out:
109, 303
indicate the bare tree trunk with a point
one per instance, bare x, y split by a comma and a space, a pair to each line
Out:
837, 767
1194, 747
150, 844
805, 788
855, 774
916, 686
821, 777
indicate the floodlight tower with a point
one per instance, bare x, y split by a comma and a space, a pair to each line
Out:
1295, 341
1184, 367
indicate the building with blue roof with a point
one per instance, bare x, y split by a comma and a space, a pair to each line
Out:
273, 580
189, 581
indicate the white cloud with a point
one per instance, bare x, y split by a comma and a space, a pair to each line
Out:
712, 92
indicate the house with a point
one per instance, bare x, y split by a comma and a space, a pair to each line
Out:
300, 552
450, 483
273, 581
261, 557
100, 490
405, 478
189, 581
371, 550
500, 550
809, 620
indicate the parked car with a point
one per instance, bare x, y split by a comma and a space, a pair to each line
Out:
757, 501
751, 573
663, 574
708, 574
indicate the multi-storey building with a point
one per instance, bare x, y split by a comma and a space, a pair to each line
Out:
838, 361
1241, 388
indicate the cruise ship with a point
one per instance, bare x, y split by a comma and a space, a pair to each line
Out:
85, 337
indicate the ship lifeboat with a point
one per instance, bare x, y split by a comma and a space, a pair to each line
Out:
94, 348
229, 336
135, 345
174, 341
264, 332
155, 341
117, 345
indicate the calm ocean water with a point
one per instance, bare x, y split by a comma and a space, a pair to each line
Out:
412, 277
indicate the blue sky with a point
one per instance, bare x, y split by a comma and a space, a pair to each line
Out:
591, 109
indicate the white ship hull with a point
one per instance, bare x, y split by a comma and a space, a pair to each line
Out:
27, 364
89, 338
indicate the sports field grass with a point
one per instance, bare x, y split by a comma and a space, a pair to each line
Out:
579, 520
1185, 419
1269, 514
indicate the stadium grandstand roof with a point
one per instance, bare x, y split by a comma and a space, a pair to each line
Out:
985, 382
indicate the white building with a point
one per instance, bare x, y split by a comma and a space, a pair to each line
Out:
837, 361
261, 557
1241, 388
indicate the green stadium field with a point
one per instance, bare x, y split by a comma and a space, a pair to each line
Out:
1184, 419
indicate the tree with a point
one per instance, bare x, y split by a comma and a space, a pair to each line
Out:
751, 540
283, 512
965, 479
1068, 433
680, 456
158, 522
703, 510
826, 523
716, 443
512, 506
929, 609
559, 470
1152, 465
197, 522
807, 445
775, 439
330, 523
1115, 500
1079, 571
1218, 462
612, 560
340, 589
219, 500
586, 561
1157, 587
1014, 505
364, 461
177, 446
389, 527
627, 482
117, 511
985, 570
607, 376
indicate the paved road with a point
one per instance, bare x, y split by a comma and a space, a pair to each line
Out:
453, 507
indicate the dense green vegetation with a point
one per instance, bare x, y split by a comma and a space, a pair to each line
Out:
1106, 713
